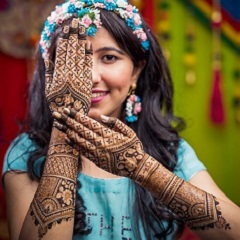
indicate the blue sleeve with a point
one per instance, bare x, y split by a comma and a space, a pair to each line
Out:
188, 163
17, 154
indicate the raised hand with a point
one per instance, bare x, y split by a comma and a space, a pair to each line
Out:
68, 84
69, 80
114, 147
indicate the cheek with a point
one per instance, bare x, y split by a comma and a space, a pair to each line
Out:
120, 79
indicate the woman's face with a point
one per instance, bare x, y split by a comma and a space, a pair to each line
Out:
113, 75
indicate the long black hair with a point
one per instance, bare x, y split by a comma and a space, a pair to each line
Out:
154, 126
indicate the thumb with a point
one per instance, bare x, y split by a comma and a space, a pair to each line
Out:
108, 121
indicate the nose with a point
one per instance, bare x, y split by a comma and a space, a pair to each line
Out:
96, 73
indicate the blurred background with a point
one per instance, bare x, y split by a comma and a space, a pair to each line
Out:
201, 41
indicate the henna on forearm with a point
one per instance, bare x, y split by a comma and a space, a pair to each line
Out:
68, 84
199, 209
54, 200
118, 150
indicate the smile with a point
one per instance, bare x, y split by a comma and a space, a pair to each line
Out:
97, 96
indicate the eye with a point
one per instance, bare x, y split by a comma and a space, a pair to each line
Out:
109, 58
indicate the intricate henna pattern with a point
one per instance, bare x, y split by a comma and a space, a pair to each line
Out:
54, 200
68, 84
199, 209
118, 150
107, 148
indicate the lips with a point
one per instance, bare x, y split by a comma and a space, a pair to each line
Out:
98, 95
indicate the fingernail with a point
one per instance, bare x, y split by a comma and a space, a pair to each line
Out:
104, 118
66, 111
57, 125
57, 115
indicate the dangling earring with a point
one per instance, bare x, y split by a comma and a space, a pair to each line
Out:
133, 105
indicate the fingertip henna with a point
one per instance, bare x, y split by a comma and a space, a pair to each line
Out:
60, 127
65, 32
72, 113
81, 33
66, 111
56, 115
66, 29
75, 23
64, 117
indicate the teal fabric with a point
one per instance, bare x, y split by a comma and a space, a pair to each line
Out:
108, 202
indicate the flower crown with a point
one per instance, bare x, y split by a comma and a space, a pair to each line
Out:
89, 15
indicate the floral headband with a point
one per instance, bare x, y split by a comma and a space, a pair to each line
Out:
89, 15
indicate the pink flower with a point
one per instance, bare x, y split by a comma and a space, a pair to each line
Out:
86, 21
140, 34
137, 20
129, 8
133, 98
97, 23
59, 9
137, 108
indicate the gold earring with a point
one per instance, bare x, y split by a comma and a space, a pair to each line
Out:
132, 89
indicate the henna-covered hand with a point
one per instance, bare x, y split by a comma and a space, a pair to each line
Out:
114, 147
69, 80
68, 84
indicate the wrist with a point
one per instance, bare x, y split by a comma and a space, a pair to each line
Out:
146, 167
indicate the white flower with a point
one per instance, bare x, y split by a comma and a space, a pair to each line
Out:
122, 13
99, 5
79, 4
121, 3
65, 7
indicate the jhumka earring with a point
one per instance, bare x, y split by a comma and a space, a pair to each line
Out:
133, 105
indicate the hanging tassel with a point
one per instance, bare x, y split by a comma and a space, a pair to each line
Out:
217, 107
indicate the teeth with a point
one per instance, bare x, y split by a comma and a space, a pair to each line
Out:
95, 95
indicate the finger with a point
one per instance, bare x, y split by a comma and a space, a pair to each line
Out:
90, 123
71, 143
81, 130
88, 64
49, 68
71, 55
85, 82
117, 125
60, 126
60, 60
80, 141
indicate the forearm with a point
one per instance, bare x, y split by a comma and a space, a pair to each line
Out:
54, 200
202, 212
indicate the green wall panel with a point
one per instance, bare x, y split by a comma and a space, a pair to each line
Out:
218, 147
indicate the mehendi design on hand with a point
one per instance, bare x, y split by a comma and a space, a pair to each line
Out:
54, 200
118, 150
68, 84
199, 209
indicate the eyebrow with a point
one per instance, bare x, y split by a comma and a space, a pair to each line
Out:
109, 49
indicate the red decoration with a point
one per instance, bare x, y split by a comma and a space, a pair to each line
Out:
216, 105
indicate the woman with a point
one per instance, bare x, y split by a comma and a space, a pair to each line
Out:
110, 161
